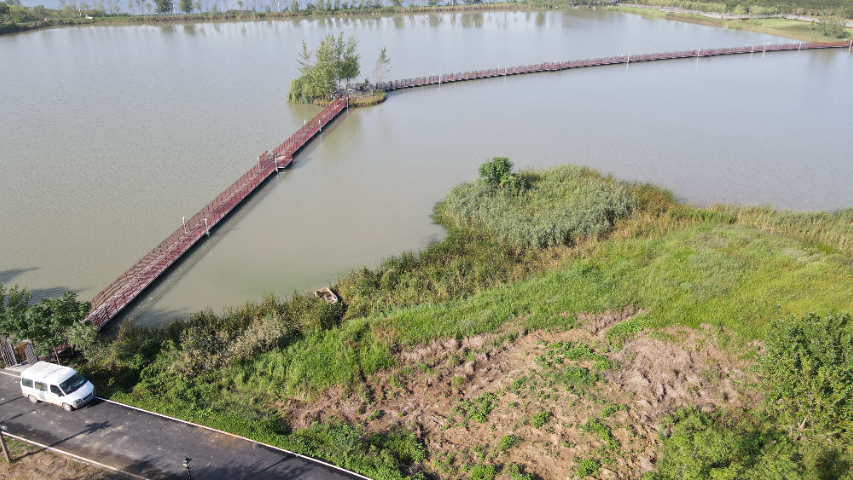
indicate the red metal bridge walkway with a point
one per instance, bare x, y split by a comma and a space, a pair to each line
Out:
131, 283
597, 62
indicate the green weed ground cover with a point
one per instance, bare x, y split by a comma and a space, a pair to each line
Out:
737, 268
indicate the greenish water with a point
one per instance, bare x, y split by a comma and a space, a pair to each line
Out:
111, 134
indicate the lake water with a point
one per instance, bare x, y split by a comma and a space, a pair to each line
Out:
109, 135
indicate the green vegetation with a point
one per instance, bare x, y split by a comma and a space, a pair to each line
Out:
554, 207
840, 8
334, 60
383, 67
726, 445
587, 467
631, 245
45, 323
804, 430
16, 18
808, 375
477, 409
508, 442
540, 419
826, 29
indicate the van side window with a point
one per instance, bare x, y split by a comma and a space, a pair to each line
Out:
55, 390
27, 382
41, 386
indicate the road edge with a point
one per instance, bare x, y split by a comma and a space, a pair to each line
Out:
310, 459
75, 457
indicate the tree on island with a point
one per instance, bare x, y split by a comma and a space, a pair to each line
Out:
383, 67
334, 60
186, 6
4, 9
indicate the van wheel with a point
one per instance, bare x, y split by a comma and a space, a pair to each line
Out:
33, 399
67, 407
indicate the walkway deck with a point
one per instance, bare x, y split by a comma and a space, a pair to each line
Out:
131, 283
597, 62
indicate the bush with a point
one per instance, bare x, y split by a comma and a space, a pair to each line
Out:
483, 472
808, 373
540, 419
557, 207
587, 467
698, 445
478, 409
495, 171
508, 442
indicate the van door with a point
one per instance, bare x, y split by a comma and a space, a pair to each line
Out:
41, 391
54, 395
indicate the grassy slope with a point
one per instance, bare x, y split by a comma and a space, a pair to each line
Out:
735, 276
731, 267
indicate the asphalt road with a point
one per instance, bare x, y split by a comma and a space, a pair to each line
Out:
148, 445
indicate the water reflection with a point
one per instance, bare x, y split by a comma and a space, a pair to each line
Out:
128, 163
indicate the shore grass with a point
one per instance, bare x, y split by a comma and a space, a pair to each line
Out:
737, 268
775, 26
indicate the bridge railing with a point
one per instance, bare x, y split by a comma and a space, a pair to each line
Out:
121, 291
550, 66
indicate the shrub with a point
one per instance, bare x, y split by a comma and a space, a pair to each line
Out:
587, 467
540, 419
808, 373
495, 171
508, 442
612, 408
483, 472
696, 445
478, 409
559, 206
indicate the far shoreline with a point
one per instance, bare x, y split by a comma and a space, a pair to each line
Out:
795, 29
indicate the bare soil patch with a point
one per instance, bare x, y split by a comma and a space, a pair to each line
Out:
689, 369
522, 399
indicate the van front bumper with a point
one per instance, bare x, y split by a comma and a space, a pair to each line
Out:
85, 399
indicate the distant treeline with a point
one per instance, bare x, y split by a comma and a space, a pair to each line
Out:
15, 17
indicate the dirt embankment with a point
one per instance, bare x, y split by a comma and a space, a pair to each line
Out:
544, 401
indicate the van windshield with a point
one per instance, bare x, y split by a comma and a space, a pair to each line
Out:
72, 384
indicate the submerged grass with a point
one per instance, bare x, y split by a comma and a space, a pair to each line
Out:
733, 267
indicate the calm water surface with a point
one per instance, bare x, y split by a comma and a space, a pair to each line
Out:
111, 134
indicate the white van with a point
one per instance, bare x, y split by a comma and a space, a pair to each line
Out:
56, 384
